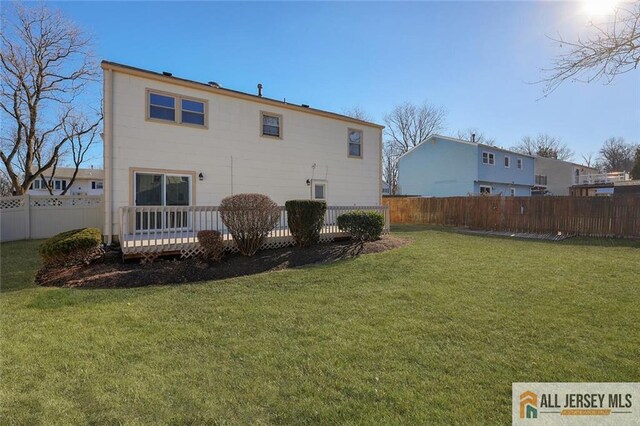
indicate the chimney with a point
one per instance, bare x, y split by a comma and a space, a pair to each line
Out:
260, 89
473, 137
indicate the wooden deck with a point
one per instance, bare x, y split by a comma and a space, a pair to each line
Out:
148, 232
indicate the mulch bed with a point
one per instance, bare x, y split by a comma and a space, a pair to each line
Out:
111, 272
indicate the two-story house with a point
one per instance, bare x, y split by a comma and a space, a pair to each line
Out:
170, 142
88, 181
444, 167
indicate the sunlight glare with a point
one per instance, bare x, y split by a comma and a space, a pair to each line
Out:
599, 7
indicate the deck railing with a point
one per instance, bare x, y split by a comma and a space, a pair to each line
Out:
600, 178
156, 229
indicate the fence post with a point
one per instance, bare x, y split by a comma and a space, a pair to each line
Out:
27, 217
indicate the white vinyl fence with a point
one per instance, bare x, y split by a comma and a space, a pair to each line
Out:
42, 216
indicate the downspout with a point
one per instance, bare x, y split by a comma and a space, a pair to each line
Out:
107, 154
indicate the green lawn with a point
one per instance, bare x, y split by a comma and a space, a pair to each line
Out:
434, 332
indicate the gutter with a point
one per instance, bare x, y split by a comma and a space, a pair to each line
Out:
108, 154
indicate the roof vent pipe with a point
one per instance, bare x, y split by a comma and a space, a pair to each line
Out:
260, 89
473, 137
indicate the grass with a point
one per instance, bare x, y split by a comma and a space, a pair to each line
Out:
434, 332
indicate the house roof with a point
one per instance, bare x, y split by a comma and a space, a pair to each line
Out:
568, 162
128, 69
67, 172
450, 139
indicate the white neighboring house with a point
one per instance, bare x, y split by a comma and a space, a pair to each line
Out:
87, 182
169, 141
556, 177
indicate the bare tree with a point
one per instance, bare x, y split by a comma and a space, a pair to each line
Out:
407, 125
46, 66
390, 167
635, 171
6, 189
358, 113
472, 134
544, 145
616, 155
611, 48
589, 159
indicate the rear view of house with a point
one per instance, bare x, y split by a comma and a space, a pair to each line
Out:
172, 142
447, 167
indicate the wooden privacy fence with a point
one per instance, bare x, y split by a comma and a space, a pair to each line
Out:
43, 216
589, 216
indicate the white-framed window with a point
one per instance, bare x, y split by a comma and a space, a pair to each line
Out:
507, 161
355, 143
485, 190
96, 185
319, 190
488, 158
176, 109
99, 185
59, 184
512, 192
519, 163
192, 112
37, 184
271, 125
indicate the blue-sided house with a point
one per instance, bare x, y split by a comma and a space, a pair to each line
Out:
445, 167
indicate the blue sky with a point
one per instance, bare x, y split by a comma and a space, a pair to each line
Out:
476, 59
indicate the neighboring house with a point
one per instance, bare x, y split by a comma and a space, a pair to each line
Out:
556, 177
169, 141
87, 182
444, 167
602, 184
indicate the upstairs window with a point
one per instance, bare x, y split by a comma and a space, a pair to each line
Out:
192, 112
162, 107
507, 161
271, 125
176, 109
355, 143
488, 158
60, 184
519, 163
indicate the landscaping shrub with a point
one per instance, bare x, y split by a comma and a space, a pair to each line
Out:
249, 218
211, 242
362, 225
305, 219
76, 246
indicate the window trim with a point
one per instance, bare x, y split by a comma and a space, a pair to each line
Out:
519, 163
315, 182
489, 156
261, 127
507, 162
485, 186
349, 130
512, 192
178, 109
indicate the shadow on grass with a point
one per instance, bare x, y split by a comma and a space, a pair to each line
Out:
571, 241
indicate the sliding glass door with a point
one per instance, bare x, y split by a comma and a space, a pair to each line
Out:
161, 189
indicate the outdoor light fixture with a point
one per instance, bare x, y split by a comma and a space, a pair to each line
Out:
201, 176
308, 182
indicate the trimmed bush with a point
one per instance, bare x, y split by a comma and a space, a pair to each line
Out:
211, 242
76, 246
249, 218
305, 219
362, 225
